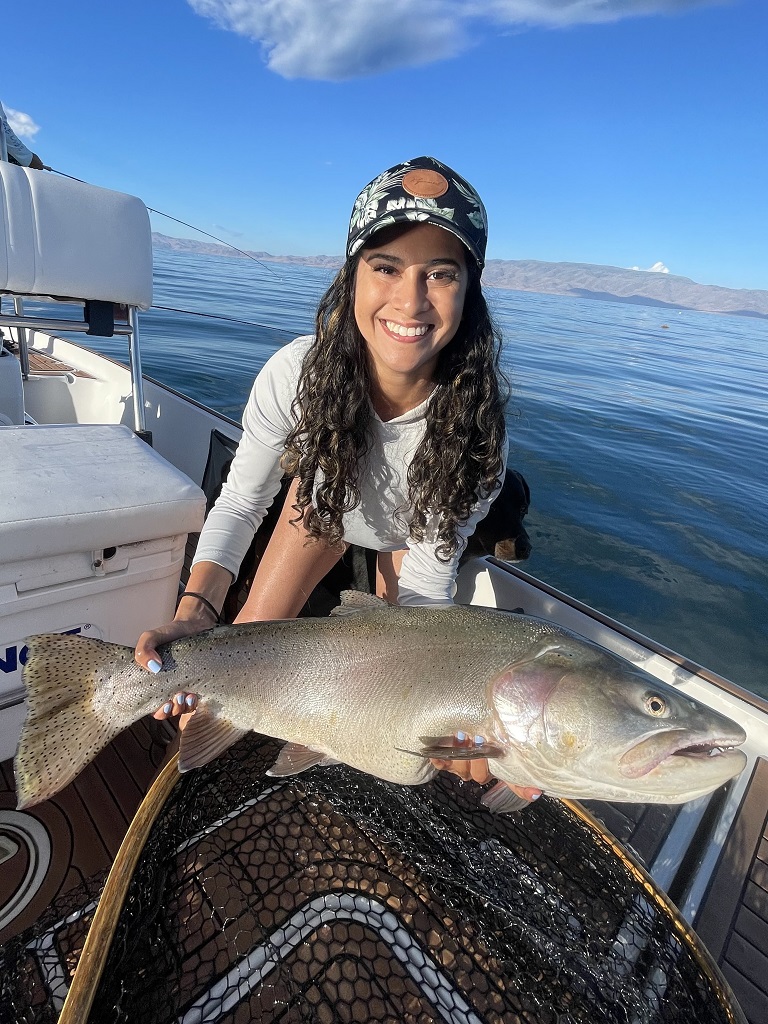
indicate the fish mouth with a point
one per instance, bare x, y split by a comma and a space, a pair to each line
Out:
660, 748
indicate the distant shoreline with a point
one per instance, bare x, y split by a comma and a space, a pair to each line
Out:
579, 280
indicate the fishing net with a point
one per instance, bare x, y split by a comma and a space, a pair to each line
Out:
36, 967
332, 896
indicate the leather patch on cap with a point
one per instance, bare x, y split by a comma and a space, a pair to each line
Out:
425, 184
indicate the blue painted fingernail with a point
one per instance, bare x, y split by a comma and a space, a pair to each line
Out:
535, 796
167, 708
479, 741
179, 698
461, 736
154, 666
190, 700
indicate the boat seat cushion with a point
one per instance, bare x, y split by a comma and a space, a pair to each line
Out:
86, 487
66, 239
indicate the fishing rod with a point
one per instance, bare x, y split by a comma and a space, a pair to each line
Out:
186, 225
223, 242
217, 316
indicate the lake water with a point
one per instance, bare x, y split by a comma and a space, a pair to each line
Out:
643, 433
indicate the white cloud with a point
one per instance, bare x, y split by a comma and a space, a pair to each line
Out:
560, 13
333, 40
22, 124
657, 268
337, 39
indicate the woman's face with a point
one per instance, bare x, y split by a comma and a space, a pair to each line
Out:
409, 298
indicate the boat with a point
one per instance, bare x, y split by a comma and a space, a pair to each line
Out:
108, 475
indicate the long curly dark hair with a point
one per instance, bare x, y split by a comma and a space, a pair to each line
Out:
459, 457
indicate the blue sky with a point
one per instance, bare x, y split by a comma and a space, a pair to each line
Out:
619, 132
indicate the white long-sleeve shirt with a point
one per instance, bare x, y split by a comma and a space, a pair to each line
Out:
255, 475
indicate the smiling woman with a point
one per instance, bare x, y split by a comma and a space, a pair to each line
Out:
390, 420
409, 299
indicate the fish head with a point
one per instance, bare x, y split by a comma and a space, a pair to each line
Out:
586, 724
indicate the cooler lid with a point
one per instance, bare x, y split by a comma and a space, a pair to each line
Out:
85, 487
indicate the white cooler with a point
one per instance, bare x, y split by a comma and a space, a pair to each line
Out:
93, 529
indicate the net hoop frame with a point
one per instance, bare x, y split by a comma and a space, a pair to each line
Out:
90, 967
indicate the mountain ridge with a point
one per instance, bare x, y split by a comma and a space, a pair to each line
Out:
580, 280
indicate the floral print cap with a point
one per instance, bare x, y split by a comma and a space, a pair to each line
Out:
422, 189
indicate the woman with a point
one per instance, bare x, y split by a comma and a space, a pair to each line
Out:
390, 420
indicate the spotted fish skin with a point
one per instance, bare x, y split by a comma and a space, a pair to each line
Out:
380, 689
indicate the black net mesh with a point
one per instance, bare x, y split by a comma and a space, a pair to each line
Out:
332, 896
36, 967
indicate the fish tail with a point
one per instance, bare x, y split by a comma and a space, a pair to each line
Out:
62, 732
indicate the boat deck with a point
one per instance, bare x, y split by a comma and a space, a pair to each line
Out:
733, 922
41, 364
85, 825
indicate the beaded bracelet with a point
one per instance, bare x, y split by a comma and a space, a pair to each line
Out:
206, 602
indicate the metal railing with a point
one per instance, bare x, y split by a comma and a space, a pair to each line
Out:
22, 322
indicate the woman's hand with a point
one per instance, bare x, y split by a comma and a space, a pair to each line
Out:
192, 616
476, 769
147, 655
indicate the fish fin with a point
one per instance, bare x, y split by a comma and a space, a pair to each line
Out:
438, 741
204, 738
62, 732
354, 601
440, 747
295, 758
500, 799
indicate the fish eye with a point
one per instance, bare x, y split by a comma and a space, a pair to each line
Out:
655, 705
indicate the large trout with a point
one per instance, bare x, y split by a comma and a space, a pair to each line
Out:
381, 689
